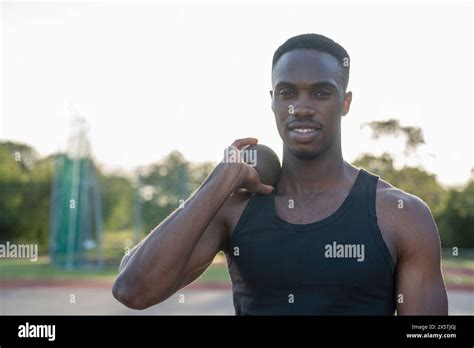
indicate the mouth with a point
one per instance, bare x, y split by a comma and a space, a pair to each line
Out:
304, 133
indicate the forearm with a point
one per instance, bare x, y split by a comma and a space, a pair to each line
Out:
157, 263
162, 226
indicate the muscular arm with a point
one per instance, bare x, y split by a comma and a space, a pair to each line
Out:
420, 287
153, 270
179, 249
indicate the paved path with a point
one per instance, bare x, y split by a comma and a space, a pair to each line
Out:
98, 299
93, 301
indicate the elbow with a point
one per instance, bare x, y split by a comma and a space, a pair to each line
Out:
128, 296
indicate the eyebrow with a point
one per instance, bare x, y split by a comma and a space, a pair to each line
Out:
325, 83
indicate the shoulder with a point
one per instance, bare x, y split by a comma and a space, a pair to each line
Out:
406, 218
232, 210
403, 206
400, 203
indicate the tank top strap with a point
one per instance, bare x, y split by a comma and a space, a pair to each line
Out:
369, 183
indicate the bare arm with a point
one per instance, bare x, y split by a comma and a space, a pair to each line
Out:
179, 249
420, 287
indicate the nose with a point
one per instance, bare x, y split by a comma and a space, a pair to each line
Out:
303, 111
303, 107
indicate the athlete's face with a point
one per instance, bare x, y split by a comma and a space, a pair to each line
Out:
308, 100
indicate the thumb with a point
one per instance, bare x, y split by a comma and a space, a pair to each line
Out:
265, 189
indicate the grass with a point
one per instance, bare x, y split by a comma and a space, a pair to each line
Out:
459, 279
42, 269
114, 242
114, 248
215, 273
115, 245
458, 263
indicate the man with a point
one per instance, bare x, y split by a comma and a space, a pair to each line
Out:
327, 239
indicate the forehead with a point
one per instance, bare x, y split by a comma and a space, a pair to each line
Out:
307, 66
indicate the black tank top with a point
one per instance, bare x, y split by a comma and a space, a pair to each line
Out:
336, 266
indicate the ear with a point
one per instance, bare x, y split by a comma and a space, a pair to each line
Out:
346, 104
271, 96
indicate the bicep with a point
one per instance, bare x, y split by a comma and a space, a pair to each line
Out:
420, 285
420, 289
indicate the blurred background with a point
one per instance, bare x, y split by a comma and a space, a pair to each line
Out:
113, 114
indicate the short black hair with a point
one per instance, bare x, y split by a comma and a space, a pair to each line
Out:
317, 42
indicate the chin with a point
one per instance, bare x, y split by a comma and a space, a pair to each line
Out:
304, 154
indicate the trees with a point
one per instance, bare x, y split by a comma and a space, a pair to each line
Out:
457, 219
117, 201
25, 184
414, 180
453, 209
167, 184
25, 189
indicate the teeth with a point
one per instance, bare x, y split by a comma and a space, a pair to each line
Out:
303, 130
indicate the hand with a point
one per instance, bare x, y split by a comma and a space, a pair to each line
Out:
248, 178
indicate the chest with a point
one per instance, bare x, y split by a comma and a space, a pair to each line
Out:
305, 210
267, 257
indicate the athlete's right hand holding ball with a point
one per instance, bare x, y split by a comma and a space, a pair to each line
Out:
248, 175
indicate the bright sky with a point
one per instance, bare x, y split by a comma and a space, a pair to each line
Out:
150, 78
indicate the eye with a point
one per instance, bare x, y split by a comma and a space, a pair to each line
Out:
322, 94
286, 92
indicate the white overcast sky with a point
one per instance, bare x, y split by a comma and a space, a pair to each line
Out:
153, 77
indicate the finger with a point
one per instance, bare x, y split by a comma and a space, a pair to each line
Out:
239, 143
232, 155
265, 189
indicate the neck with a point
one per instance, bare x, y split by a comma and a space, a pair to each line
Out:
301, 176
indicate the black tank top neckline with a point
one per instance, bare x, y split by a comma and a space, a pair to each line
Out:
323, 222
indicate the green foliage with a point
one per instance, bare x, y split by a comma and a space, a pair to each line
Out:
117, 201
452, 209
25, 191
167, 184
25, 188
36, 206
413, 180
382, 166
413, 135
457, 220
25, 183
199, 172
